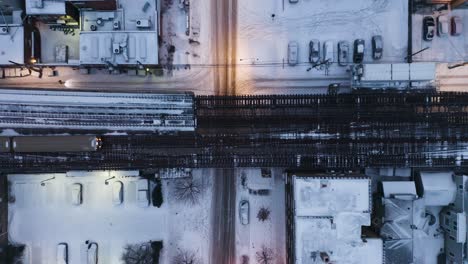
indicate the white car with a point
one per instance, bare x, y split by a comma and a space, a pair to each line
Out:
442, 26
92, 254
328, 52
244, 212
117, 192
76, 193
142, 193
293, 53
62, 253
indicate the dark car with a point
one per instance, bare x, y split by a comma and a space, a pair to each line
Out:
377, 47
456, 26
358, 55
314, 51
428, 28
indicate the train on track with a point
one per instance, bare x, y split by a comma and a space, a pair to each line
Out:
25, 144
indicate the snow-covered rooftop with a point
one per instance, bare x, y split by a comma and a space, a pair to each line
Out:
45, 7
12, 43
321, 197
118, 47
329, 214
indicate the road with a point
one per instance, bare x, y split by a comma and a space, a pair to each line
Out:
223, 222
224, 28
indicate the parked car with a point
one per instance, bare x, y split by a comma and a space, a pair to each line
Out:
62, 253
377, 47
142, 193
442, 26
117, 192
428, 28
456, 25
293, 53
244, 212
328, 52
314, 51
76, 193
358, 55
343, 53
92, 253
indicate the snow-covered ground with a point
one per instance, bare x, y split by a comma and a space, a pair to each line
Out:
271, 233
263, 40
43, 216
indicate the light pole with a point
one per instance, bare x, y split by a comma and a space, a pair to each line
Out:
107, 180
43, 182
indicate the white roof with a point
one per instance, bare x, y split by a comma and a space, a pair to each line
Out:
340, 240
399, 187
439, 188
12, 45
322, 197
97, 47
422, 71
329, 214
45, 7
399, 72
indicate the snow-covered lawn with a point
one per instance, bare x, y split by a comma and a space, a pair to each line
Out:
43, 216
271, 233
262, 41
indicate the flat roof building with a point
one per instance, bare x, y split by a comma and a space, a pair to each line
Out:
325, 216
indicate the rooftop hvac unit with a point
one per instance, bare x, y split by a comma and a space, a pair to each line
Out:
116, 25
116, 48
143, 23
4, 30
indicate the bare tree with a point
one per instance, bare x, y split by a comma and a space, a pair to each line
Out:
185, 257
188, 190
263, 214
137, 254
265, 256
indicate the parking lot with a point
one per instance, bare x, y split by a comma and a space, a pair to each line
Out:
42, 216
266, 27
441, 49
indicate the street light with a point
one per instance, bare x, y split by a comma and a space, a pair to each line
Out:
107, 180
456, 65
43, 182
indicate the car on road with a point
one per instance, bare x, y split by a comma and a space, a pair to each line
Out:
142, 193
62, 253
314, 51
456, 26
328, 52
442, 26
428, 28
377, 47
76, 193
117, 192
343, 53
244, 212
293, 1
358, 55
92, 253
293, 53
